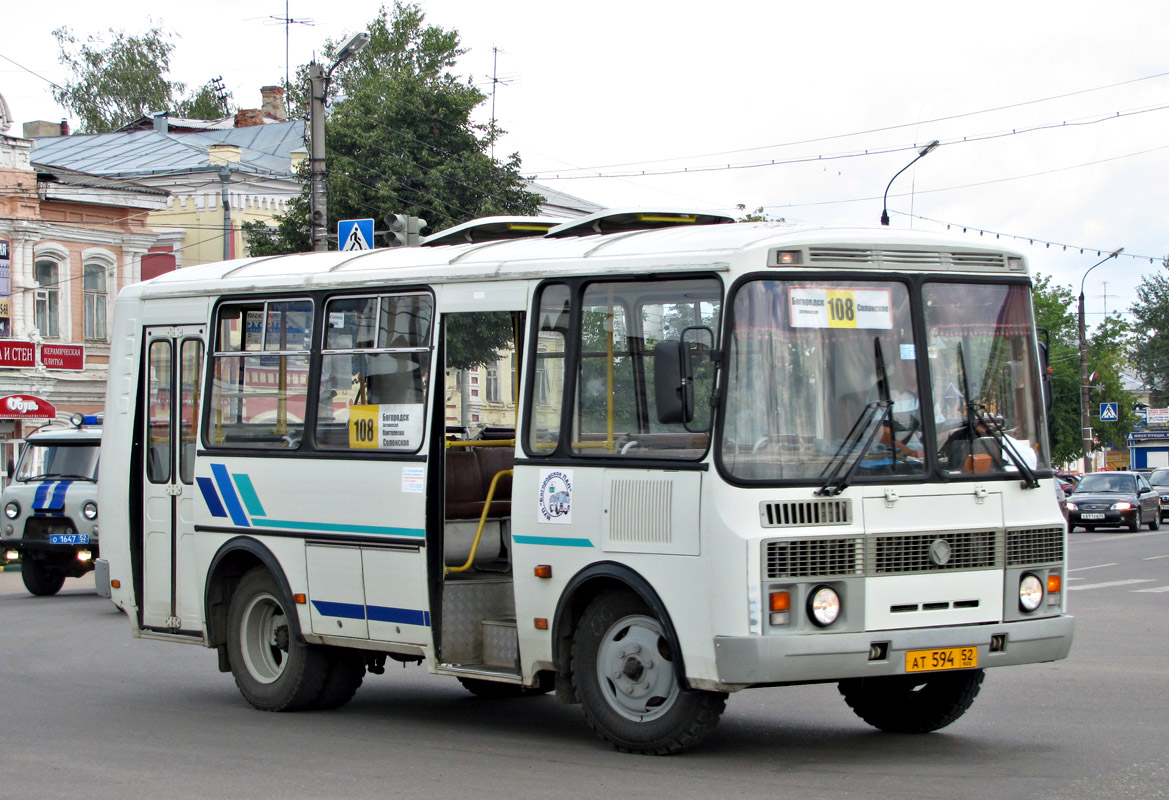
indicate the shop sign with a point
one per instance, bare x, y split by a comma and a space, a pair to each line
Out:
26, 406
18, 354
63, 356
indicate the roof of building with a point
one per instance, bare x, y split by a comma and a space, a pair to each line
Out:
264, 150
69, 177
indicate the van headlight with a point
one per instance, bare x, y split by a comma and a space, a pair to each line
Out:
12, 510
89, 510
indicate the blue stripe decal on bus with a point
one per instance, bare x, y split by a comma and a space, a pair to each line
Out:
227, 491
337, 527
58, 501
400, 616
248, 493
42, 495
211, 497
555, 541
346, 610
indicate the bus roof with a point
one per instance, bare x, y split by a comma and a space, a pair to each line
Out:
738, 246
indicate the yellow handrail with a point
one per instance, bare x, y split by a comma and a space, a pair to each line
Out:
480, 443
482, 521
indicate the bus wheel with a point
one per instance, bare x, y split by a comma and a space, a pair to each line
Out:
912, 703
623, 671
494, 690
273, 669
346, 672
40, 578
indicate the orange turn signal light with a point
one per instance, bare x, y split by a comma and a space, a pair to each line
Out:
1054, 581
300, 599
780, 601
117, 584
543, 571
541, 623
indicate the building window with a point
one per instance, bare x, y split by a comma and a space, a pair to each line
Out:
493, 384
94, 288
47, 298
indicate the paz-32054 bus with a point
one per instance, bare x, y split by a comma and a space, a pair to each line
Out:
645, 460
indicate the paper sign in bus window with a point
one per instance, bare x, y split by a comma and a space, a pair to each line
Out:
390, 426
835, 307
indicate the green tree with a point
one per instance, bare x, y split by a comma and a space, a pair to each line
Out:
117, 82
1106, 355
758, 215
1150, 350
401, 139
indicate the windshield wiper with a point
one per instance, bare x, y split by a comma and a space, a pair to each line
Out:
862, 429
977, 413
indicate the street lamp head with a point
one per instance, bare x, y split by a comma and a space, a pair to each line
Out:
352, 47
929, 148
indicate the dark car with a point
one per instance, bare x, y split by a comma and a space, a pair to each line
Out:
1113, 499
1159, 480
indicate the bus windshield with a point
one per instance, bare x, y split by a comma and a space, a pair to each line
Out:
810, 360
54, 462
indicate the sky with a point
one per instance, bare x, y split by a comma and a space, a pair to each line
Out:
1051, 116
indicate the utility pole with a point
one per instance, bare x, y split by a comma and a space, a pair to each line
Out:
318, 218
1085, 389
225, 201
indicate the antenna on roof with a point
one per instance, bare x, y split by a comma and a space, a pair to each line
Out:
287, 21
495, 81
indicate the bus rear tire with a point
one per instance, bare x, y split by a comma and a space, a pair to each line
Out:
912, 703
624, 673
40, 578
273, 669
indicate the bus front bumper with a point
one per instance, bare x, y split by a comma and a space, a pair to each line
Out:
753, 660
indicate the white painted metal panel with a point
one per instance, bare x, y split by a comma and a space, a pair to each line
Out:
336, 591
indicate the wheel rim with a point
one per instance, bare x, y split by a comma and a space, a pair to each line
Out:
636, 669
264, 638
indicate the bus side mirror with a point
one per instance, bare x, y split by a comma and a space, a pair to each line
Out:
11, 468
1045, 371
673, 389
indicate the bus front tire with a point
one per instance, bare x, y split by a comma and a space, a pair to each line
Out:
273, 669
623, 672
40, 578
912, 703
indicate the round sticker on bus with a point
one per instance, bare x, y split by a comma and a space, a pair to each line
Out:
555, 502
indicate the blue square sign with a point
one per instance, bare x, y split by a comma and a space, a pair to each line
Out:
355, 234
1109, 412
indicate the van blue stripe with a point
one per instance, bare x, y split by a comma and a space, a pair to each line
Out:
58, 501
227, 491
211, 497
344, 610
248, 493
42, 495
555, 541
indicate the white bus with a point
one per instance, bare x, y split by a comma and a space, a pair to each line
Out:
645, 460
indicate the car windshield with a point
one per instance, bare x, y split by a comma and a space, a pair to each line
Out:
1103, 482
1160, 478
55, 462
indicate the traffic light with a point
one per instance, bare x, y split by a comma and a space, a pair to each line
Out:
396, 233
403, 230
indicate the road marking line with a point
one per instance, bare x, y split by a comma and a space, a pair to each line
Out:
1097, 566
1153, 558
1158, 589
1111, 583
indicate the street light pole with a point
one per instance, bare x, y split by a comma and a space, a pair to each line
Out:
925, 151
1085, 400
318, 87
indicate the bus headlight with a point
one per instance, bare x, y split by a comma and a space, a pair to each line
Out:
823, 606
89, 510
12, 510
1030, 592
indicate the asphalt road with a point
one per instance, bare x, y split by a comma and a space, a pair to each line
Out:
86, 711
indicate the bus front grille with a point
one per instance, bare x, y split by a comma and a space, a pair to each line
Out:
1034, 546
805, 513
933, 552
806, 558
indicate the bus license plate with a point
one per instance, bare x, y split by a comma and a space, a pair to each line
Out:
942, 658
69, 538
1091, 516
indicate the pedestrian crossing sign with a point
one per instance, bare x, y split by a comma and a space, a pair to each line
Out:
355, 234
1109, 412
